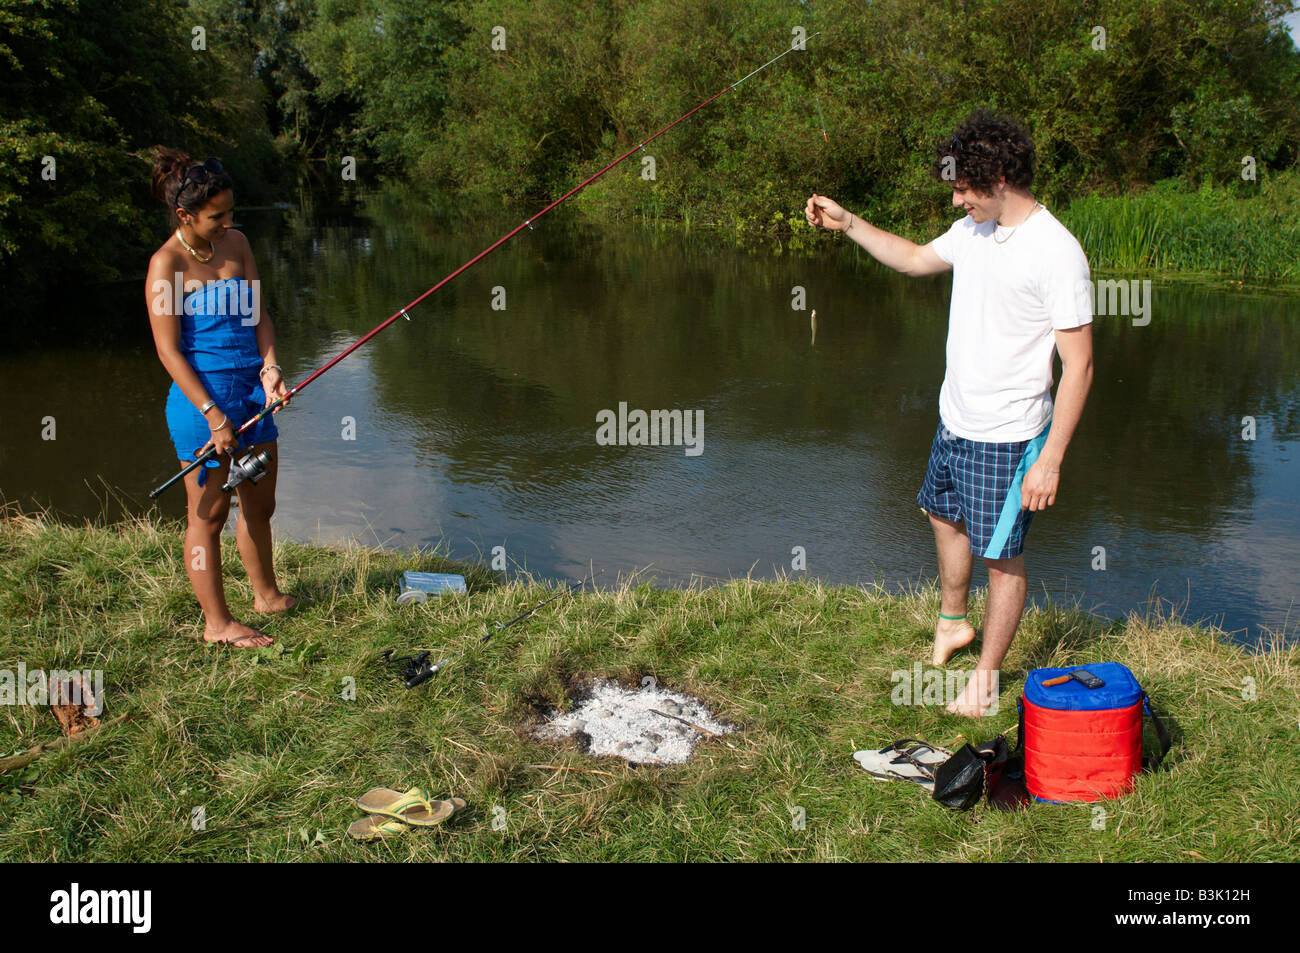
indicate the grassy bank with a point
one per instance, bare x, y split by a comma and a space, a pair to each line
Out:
264, 744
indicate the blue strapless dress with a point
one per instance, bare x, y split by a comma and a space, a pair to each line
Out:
219, 339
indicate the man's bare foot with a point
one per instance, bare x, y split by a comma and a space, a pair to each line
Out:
276, 603
949, 636
237, 635
978, 696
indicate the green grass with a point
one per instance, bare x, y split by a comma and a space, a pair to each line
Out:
263, 742
1169, 229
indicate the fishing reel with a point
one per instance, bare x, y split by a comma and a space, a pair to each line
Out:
416, 670
252, 467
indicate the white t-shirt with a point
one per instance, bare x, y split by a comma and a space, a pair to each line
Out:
1007, 299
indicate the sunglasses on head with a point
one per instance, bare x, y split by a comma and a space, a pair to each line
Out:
199, 174
978, 146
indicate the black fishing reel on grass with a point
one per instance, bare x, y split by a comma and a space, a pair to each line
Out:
417, 669
251, 467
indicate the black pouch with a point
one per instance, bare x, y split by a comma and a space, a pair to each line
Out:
960, 781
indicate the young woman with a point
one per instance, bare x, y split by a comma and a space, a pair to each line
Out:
214, 337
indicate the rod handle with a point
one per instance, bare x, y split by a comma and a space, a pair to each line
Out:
157, 491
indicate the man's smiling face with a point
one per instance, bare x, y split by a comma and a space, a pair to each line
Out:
982, 208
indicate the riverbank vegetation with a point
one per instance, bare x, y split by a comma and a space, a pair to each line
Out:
229, 755
1175, 230
1176, 118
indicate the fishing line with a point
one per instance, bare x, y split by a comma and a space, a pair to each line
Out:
208, 452
820, 118
816, 99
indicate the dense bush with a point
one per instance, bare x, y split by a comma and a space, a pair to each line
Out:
1119, 94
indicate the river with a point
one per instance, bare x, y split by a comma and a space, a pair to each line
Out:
474, 425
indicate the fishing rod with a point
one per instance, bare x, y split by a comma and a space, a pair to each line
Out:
417, 668
252, 467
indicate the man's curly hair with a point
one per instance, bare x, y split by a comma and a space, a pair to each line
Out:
983, 149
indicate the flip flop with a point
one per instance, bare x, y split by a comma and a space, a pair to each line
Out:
371, 828
442, 811
413, 807
898, 761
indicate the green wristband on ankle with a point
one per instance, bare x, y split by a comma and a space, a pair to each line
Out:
954, 618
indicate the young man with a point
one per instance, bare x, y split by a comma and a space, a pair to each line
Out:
1020, 290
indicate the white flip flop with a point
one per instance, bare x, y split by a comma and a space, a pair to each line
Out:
891, 764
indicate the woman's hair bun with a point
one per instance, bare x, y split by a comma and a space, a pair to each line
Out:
168, 182
169, 166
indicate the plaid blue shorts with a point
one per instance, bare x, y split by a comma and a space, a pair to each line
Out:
979, 484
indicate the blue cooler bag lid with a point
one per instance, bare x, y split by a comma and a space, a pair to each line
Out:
1120, 691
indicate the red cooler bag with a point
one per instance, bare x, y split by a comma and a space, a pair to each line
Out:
1084, 744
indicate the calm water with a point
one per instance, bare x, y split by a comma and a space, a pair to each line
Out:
477, 426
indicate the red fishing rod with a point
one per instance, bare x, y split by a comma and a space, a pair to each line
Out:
253, 467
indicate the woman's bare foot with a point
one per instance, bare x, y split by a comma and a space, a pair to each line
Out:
949, 636
237, 635
276, 603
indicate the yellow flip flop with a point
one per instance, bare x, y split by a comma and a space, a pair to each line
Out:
413, 807
371, 828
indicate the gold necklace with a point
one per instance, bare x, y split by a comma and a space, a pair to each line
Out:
196, 255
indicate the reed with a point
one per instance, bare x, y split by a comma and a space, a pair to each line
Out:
1214, 230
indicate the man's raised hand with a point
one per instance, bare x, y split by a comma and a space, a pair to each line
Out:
826, 213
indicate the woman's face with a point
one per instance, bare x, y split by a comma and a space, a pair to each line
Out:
214, 219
